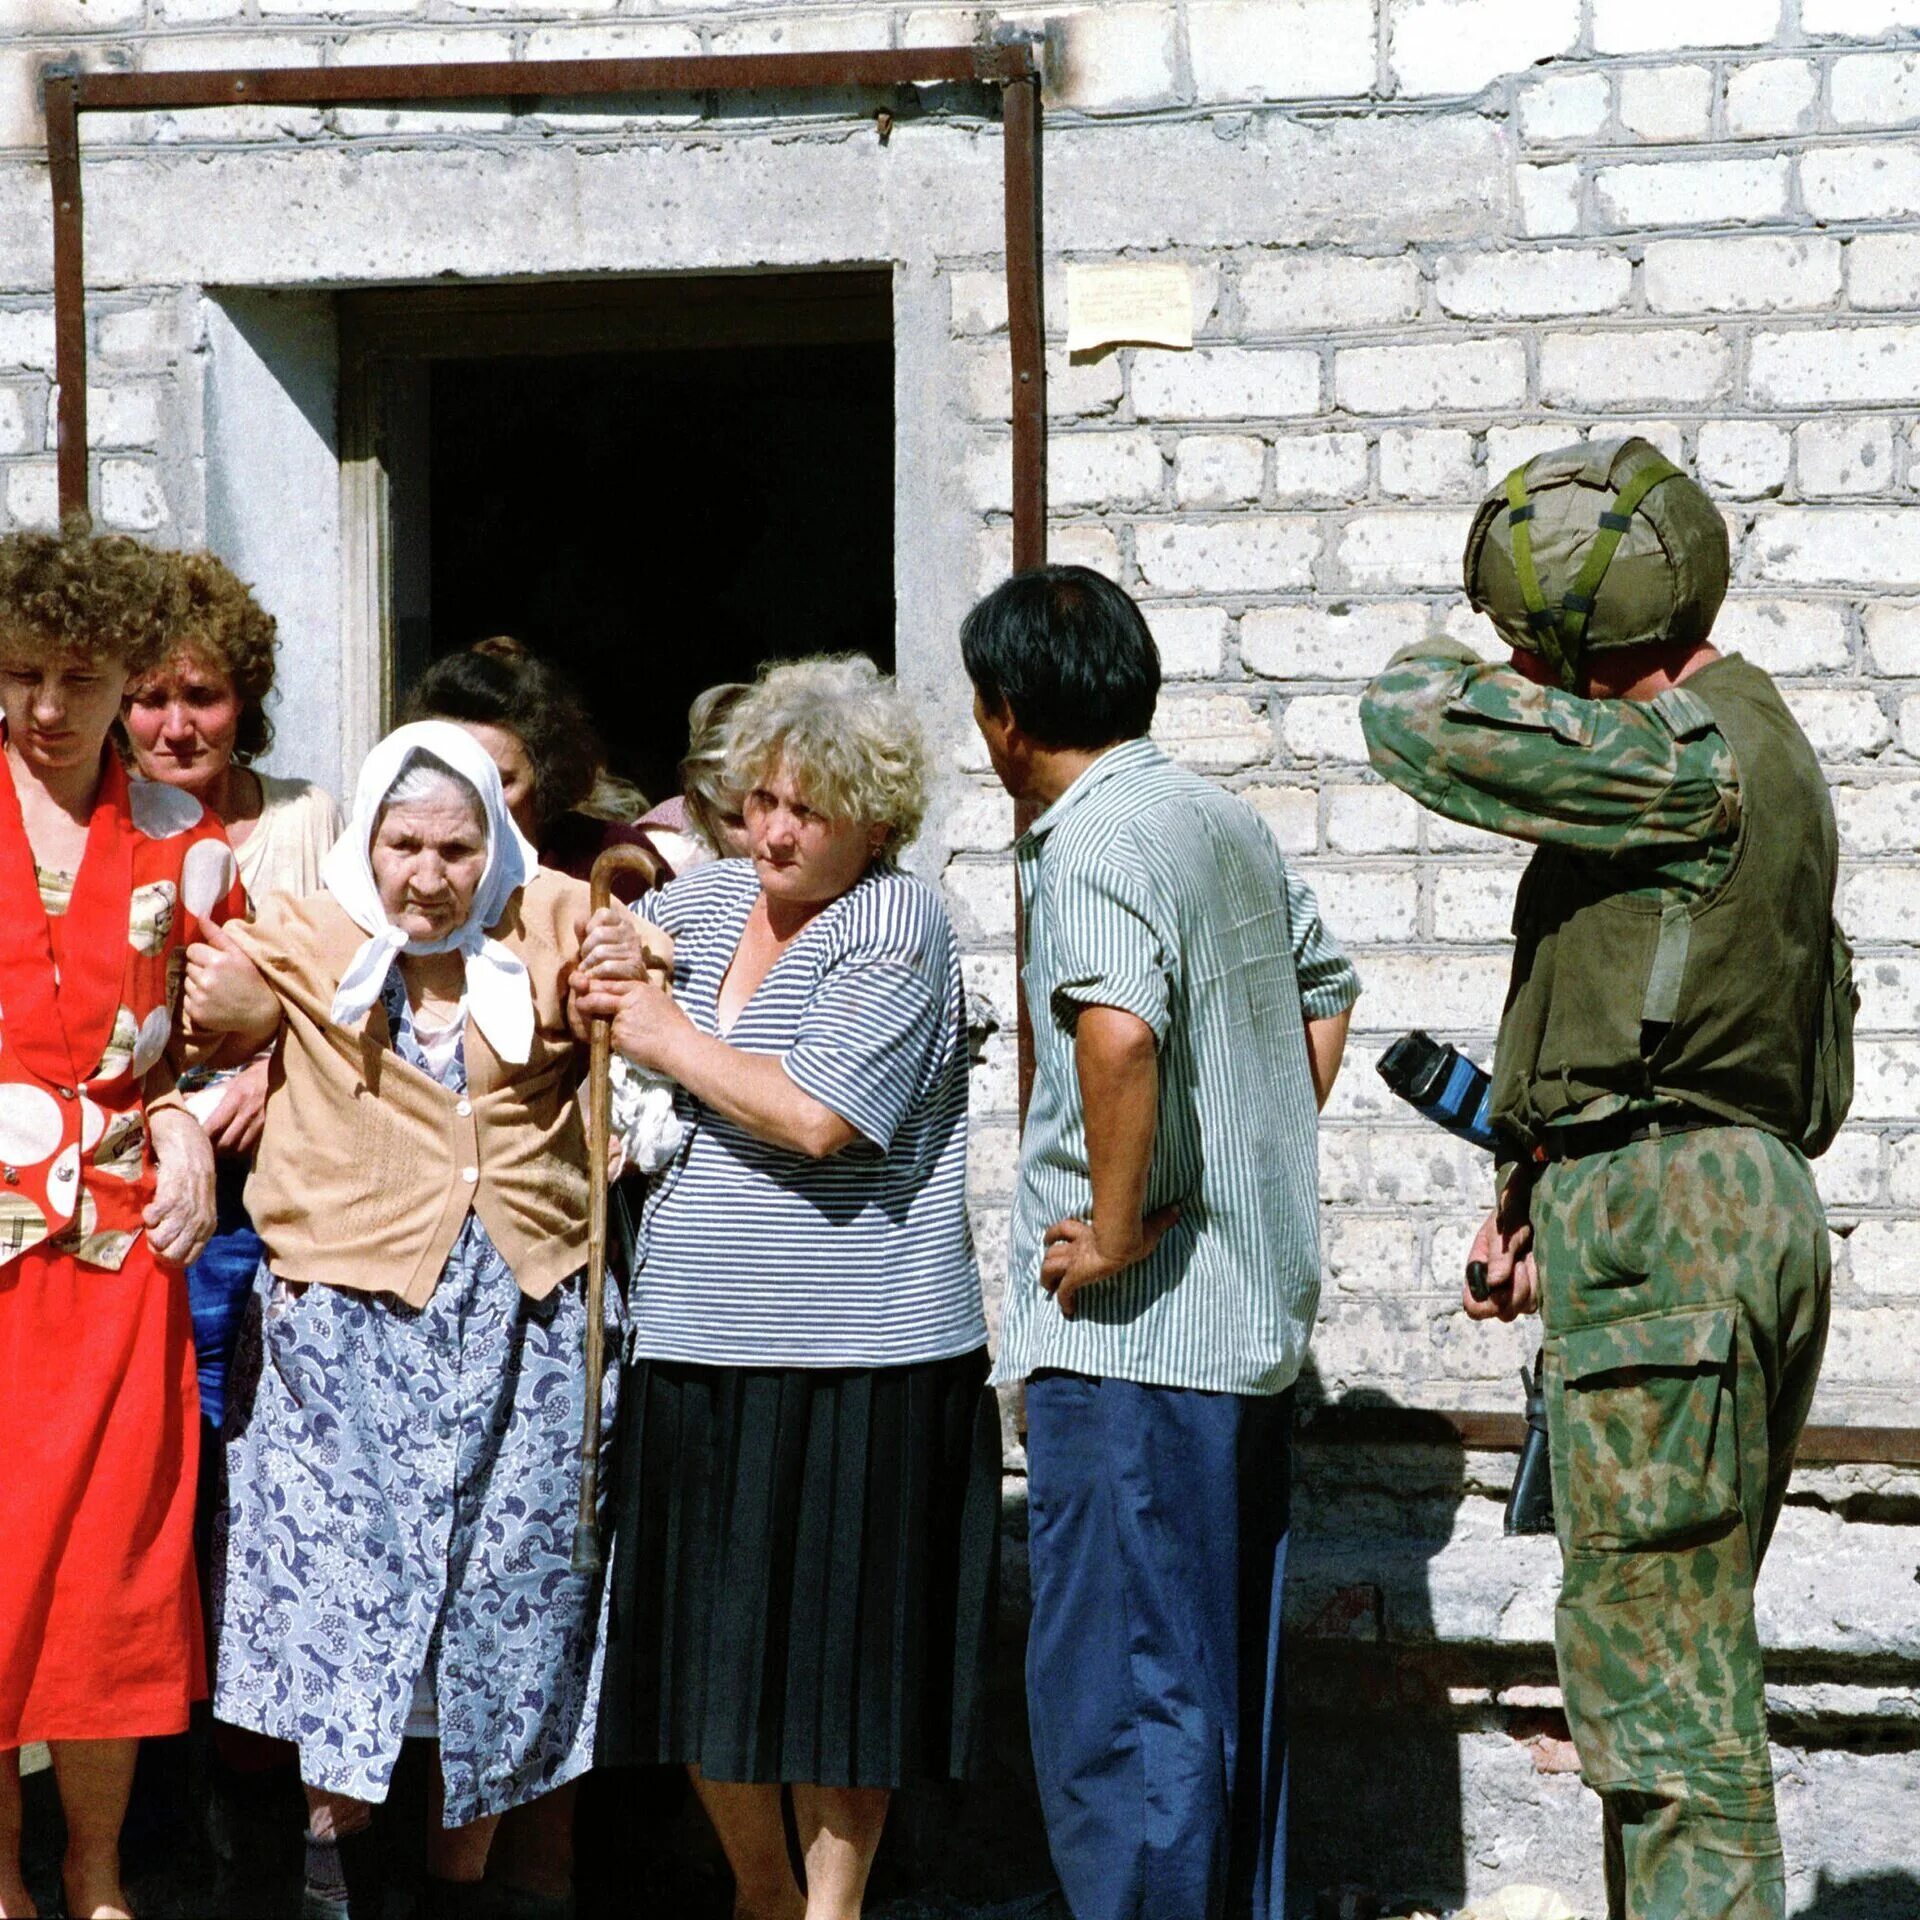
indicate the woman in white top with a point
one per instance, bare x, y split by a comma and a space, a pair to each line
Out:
197, 721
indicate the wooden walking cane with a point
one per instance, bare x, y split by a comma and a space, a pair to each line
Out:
587, 1555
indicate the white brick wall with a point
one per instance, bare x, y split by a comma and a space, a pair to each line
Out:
1428, 238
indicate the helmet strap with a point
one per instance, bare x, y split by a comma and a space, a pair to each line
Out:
1561, 631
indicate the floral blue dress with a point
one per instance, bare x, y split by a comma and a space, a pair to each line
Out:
402, 1487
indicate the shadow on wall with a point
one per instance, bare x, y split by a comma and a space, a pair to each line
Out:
1375, 1759
1880, 1896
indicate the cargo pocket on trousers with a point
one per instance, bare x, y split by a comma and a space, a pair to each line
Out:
1645, 1447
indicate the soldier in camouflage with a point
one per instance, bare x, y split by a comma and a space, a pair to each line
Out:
1676, 1040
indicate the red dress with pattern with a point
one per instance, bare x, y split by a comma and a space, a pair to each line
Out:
99, 1412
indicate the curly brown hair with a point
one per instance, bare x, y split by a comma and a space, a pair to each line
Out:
211, 612
103, 596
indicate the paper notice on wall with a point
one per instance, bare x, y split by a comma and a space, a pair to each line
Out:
1139, 305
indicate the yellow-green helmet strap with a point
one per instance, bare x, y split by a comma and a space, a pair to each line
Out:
1577, 606
1543, 621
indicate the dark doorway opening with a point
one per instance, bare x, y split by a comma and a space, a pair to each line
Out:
657, 484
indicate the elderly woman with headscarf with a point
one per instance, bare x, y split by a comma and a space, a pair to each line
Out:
810, 1472
404, 1422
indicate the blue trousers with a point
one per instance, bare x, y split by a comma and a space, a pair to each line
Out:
1158, 1547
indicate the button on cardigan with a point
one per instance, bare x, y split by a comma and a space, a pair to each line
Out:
368, 1166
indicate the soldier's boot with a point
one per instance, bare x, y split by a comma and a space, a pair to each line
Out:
1672, 1859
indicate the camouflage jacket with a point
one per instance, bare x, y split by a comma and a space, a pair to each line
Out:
1638, 783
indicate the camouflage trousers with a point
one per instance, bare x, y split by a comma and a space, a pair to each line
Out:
1684, 1285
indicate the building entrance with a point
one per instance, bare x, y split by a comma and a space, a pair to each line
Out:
658, 485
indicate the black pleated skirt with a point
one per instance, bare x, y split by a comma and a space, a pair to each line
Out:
804, 1571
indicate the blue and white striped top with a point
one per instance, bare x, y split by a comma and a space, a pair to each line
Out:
1147, 888
758, 1256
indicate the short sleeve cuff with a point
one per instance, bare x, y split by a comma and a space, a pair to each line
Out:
1144, 995
1331, 998
868, 1101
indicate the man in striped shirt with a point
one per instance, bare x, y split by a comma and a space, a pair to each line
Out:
1189, 1011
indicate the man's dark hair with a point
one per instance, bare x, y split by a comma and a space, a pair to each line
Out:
1067, 653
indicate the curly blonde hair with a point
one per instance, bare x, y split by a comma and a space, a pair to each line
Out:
844, 732
211, 612
102, 596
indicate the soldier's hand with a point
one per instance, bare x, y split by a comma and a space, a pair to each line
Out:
1501, 1258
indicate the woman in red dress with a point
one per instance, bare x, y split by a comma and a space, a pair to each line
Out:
106, 1188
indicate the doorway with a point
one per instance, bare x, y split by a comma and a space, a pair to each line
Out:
658, 485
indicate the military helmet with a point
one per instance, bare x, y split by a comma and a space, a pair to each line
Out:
1605, 544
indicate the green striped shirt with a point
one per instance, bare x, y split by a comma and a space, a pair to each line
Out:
1147, 888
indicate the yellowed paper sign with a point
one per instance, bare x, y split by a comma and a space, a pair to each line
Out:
1141, 305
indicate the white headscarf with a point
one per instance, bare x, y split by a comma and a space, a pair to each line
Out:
499, 998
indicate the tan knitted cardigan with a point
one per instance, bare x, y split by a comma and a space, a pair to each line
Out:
368, 1166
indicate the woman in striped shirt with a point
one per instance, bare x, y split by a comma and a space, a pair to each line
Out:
809, 1483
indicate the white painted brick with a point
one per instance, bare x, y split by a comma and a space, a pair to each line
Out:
1510, 447
1396, 551
1220, 730
943, 26
1655, 26
16, 425
1076, 389
1564, 106
1549, 200
1843, 457
1280, 49
339, 9
1225, 383
195, 12
1878, 819
1325, 467
1848, 1174
1218, 469
1785, 636
33, 493
808, 30
1458, 46
1192, 640
21, 121
1602, 370
1445, 993
1893, 636
1842, 725
612, 40
1903, 1173
1070, 545
409, 46
1885, 1256
1103, 469
1837, 547
1889, 987
1427, 463
1291, 814
1876, 90
1910, 727
1114, 59
1872, 182
980, 895
1472, 905
1667, 103
144, 333
1858, 19
238, 51
1883, 270
1359, 1246
1301, 292
1324, 726
123, 416
1882, 902
1342, 1181
1834, 365
1759, 273
1773, 96
1468, 375
1258, 554
1743, 457
1329, 640
1687, 193
131, 497
982, 822
1532, 286
977, 302
1367, 906
26, 340
1453, 836
84, 16
1667, 435
1371, 819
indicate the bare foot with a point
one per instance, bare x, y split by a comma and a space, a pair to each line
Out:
16, 1903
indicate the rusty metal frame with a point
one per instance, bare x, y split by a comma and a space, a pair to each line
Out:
1011, 66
